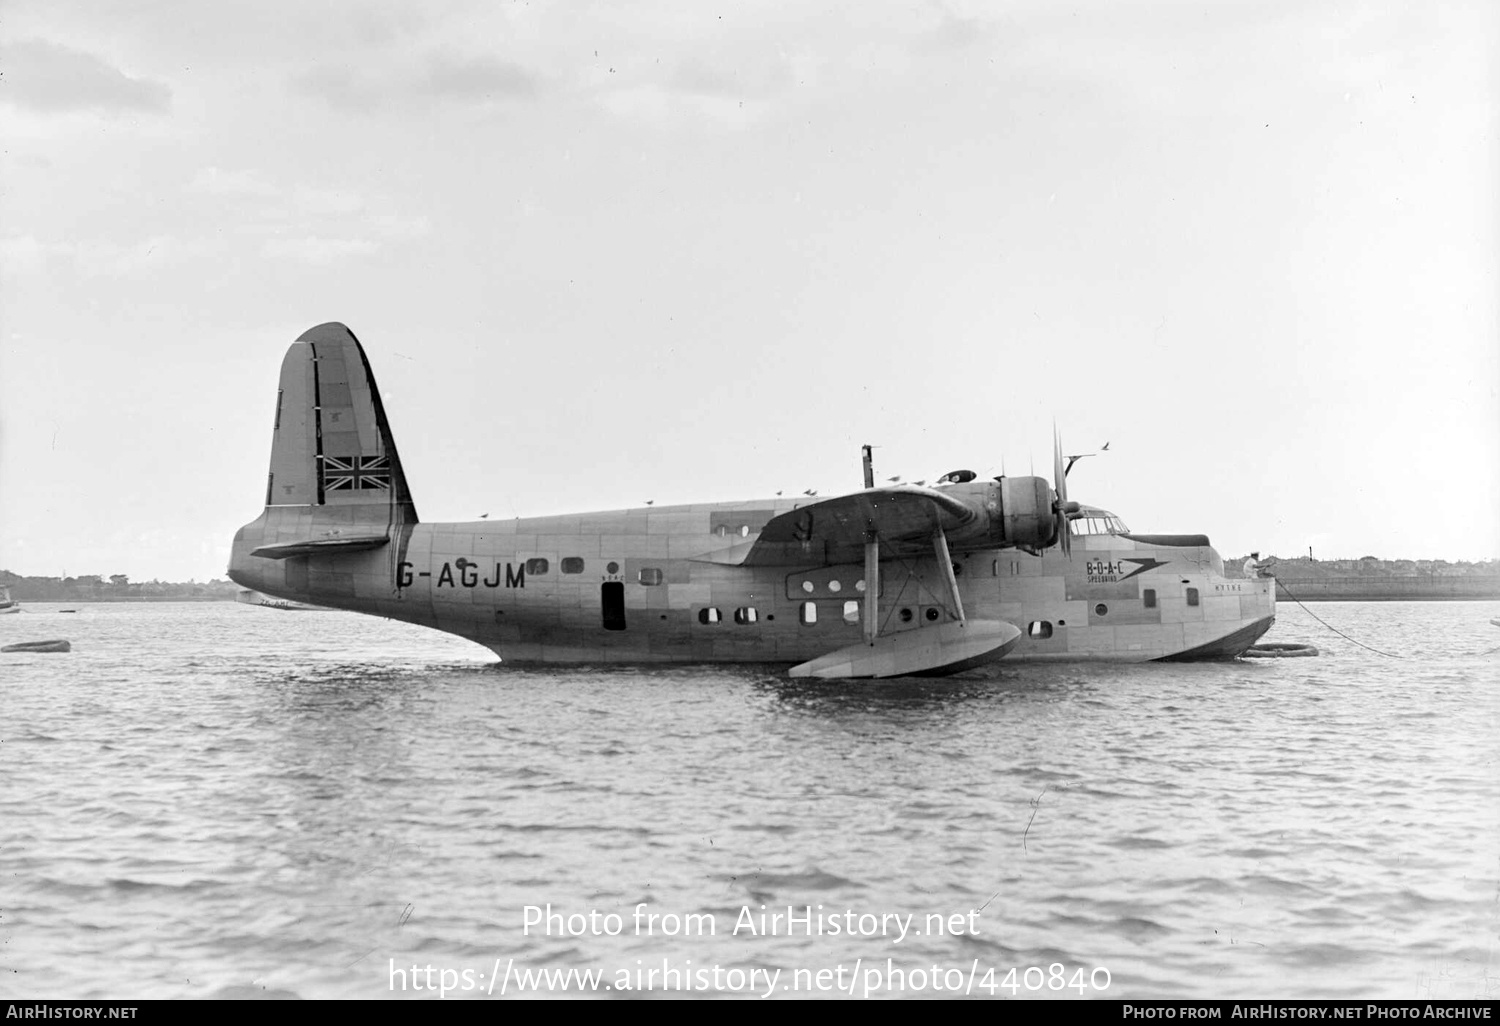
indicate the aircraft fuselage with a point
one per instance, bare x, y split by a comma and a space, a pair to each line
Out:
658, 585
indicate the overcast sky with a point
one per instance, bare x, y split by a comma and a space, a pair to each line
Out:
607, 253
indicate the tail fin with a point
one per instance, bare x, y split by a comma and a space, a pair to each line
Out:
335, 486
332, 445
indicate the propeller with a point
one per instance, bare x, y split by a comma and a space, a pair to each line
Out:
1061, 507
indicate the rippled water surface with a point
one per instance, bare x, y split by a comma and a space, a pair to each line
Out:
219, 800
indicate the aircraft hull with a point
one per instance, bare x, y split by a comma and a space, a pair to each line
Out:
503, 585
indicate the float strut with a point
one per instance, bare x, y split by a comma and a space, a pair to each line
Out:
945, 563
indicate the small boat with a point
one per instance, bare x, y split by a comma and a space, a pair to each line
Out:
7, 605
58, 645
1495, 620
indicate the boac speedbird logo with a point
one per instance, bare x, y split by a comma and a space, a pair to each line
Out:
1102, 571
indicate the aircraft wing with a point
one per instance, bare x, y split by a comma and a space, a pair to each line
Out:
835, 530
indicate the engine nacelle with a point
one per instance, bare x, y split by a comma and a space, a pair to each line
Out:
1027, 516
1013, 511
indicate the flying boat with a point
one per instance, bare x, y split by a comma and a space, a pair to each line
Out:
891, 580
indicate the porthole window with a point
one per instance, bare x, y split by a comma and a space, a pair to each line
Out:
1039, 629
835, 586
1149, 598
744, 615
1192, 596
851, 611
809, 614
612, 567
807, 586
1101, 609
708, 616
649, 575
859, 586
931, 612
905, 615
536, 567
572, 565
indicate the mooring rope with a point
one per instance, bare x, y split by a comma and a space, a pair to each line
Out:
1389, 655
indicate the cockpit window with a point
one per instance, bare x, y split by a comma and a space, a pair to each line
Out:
1097, 521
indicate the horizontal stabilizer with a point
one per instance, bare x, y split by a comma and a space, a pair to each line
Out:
939, 649
321, 547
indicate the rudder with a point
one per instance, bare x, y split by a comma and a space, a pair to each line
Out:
331, 444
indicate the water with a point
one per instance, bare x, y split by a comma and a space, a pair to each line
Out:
216, 800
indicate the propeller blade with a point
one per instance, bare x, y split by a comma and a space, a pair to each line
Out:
1060, 482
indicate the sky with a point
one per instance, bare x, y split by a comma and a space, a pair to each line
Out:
601, 254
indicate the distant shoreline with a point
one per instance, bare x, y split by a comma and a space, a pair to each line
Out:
1299, 579
1458, 589
115, 588
103, 599
1387, 589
